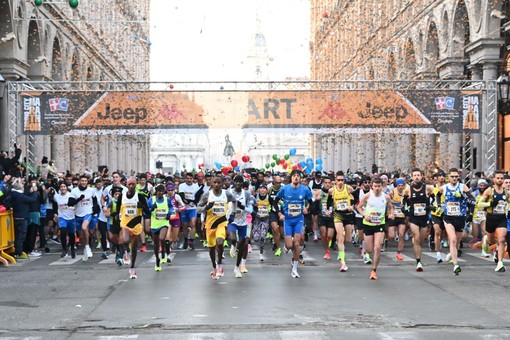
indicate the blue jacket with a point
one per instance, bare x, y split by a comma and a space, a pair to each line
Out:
21, 203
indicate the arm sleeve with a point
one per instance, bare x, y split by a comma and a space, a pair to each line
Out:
202, 203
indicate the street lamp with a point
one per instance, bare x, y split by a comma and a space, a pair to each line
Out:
3, 82
504, 94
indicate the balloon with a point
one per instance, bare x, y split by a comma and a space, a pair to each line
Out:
292, 151
171, 86
263, 170
286, 156
318, 161
275, 157
273, 164
284, 165
38, 2
218, 165
302, 164
309, 160
234, 163
73, 3
294, 167
225, 170
236, 168
246, 158
318, 168
267, 166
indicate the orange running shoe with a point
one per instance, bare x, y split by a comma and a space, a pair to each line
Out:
373, 275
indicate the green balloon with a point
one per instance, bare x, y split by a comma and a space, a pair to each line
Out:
38, 2
74, 3
262, 170
287, 156
268, 165
275, 157
273, 164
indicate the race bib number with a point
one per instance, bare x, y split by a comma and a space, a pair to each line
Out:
500, 208
160, 214
64, 207
173, 216
325, 209
398, 212
375, 218
453, 208
189, 196
218, 209
342, 205
130, 210
420, 209
86, 202
263, 211
480, 214
239, 213
294, 209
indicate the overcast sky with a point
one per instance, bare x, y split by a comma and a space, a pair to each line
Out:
204, 40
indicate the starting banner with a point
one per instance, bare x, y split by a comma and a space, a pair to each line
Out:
65, 112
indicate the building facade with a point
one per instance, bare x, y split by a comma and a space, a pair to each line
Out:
96, 43
399, 40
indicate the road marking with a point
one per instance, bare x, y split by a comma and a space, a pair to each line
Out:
64, 261
115, 337
477, 255
397, 335
392, 254
302, 335
443, 256
20, 263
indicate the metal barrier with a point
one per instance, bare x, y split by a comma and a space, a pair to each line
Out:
6, 237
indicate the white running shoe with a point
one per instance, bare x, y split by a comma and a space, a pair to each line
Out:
237, 273
500, 267
485, 254
448, 257
89, 251
439, 258
34, 253
85, 255
232, 251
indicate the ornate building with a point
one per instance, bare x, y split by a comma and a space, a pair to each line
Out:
98, 41
398, 40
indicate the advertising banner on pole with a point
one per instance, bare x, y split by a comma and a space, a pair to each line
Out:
91, 112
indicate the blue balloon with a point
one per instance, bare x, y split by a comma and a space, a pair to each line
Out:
292, 151
318, 168
236, 168
303, 164
318, 161
309, 160
309, 166
218, 165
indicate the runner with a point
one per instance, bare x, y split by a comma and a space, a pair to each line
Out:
261, 220
416, 196
357, 195
325, 221
373, 207
275, 222
294, 196
479, 218
190, 196
145, 188
215, 205
172, 236
436, 212
397, 226
131, 206
496, 224
161, 209
66, 219
456, 198
341, 196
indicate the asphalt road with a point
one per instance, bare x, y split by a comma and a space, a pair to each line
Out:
53, 298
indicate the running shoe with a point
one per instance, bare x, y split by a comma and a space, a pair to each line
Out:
132, 273
46, 249
294, 273
399, 257
327, 255
456, 269
85, 256
34, 253
261, 258
143, 248
127, 259
225, 244
278, 252
373, 275
367, 259
63, 253
196, 235
439, 258
445, 243
419, 267
164, 259
243, 269
269, 235
73, 253
23, 256
232, 251
157, 267
485, 248
249, 249
485, 254
301, 259
173, 245
219, 271
500, 267
119, 262
495, 256
448, 257
104, 255
344, 268
315, 239
89, 251
237, 273
205, 244
214, 274
191, 245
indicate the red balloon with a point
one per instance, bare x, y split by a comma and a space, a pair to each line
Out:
234, 163
171, 86
299, 167
284, 165
246, 158
225, 170
294, 167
